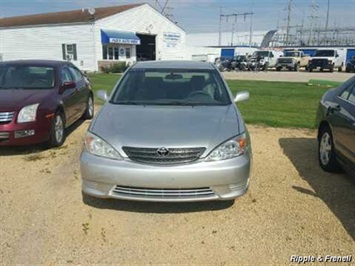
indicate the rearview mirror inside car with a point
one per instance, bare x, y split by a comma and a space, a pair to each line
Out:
242, 96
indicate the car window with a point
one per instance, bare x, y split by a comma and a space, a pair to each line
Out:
76, 74
348, 92
65, 75
352, 96
171, 87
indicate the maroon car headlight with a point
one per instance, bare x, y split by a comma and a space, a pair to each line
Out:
28, 113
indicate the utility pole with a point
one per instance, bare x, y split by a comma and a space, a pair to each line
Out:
220, 27
235, 16
289, 9
313, 16
251, 25
327, 19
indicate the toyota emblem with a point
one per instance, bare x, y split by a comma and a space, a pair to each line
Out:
162, 152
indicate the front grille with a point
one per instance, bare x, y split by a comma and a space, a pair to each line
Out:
6, 117
319, 62
175, 155
163, 193
285, 60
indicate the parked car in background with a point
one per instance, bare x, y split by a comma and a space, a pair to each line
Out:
350, 66
292, 60
264, 59
39, 99
169, 132
327, 59
336, 128
239, 62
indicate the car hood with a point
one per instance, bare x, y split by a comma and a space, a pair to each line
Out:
167, 126
15, 99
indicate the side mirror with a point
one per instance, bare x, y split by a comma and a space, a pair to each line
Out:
337, 55
242, 96
68, 85
101, 94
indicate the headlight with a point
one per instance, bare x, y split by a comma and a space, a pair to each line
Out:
28, 113
230, 149
330, 62
99, 147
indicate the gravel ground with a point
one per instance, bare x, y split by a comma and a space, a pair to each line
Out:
292, 208
288, 76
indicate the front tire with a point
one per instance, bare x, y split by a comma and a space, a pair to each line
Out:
326, 152
57, 136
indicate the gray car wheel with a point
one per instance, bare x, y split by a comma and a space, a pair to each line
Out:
326, 152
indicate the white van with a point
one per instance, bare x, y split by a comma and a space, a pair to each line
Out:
327, 59
265, 58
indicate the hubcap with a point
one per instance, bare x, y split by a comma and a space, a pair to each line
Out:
325, 148
58, 128
90, 106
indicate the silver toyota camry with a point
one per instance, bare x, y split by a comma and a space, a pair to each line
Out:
169, 131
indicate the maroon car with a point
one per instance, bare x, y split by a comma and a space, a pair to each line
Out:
39, 99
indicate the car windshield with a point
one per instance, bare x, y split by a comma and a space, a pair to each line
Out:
26, 76
321, 53
292, 54
261, 54
171, 87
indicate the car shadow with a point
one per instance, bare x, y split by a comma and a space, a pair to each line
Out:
30, 149
337, 191
155, 207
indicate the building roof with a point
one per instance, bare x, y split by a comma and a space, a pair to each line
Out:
74, 16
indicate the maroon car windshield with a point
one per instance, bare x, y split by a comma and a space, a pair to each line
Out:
26, 77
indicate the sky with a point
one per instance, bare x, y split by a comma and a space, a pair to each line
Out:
196, 16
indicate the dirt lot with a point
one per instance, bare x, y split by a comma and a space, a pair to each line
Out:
288, 76
292, 208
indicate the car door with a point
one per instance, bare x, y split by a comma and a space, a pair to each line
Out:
68, 94
343, 122
81, 90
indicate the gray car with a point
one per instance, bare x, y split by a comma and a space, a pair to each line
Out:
336, 128
170, 131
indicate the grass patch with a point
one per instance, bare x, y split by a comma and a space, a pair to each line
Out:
277, 104
325, 83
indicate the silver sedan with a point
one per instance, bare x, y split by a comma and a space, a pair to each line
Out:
169, 131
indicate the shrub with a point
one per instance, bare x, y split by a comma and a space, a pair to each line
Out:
118, 67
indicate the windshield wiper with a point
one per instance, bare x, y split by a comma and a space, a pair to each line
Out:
127, 102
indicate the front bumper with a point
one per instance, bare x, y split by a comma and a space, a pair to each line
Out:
18, 134
320, 66
198, 181
285, 65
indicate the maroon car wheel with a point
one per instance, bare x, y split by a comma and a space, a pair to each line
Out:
57, 137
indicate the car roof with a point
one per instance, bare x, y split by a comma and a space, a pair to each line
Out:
36, 62
181, 64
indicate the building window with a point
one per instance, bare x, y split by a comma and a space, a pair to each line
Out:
128, 52
110, 52
69, 52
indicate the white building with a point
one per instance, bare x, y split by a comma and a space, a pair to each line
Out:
92, 38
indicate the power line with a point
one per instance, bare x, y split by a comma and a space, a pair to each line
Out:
234, 17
